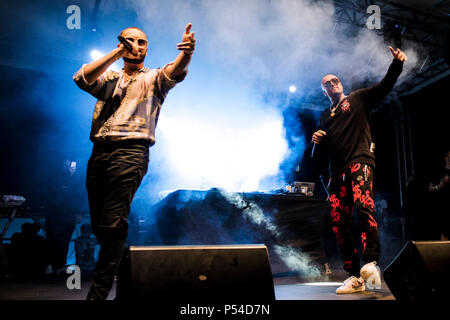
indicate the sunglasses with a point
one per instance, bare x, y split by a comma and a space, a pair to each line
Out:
330, 83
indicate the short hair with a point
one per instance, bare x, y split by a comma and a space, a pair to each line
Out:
136, 28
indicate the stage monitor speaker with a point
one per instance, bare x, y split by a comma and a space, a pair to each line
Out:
193, 273
420, 272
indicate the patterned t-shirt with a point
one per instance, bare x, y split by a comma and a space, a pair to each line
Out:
127, 109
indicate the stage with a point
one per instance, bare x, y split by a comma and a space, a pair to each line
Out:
279, 100
189, 217
286, 288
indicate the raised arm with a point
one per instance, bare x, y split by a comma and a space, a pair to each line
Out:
95, 69
375, 94
187, 47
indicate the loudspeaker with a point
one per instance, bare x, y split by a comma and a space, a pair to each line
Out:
420, 272
189, 273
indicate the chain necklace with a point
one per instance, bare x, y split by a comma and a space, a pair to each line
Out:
132, 76
332, 110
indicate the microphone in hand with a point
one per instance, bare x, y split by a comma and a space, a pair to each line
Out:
126, 44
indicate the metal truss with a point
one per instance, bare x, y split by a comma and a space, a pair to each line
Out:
419, 26
426, 28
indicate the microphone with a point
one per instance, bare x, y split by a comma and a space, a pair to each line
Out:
314, 146
313, 149
324, 185
125, 43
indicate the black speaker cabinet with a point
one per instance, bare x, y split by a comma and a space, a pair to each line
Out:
420, 272
188, 273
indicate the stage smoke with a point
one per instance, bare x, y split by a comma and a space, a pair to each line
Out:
297, 261
292, 257
275, 44
251, 211
247, 54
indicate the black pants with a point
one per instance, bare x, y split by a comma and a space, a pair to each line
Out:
59, 227
115, 171
354, 189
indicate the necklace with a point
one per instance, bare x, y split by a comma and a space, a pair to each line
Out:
128, 79
332, 110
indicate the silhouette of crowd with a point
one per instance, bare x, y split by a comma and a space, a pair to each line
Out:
28, 252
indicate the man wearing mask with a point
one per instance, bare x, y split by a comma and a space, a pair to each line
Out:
123, 129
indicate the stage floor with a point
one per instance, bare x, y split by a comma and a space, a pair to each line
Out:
286, 288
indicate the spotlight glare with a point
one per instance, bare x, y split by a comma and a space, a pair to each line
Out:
292, 89
95, 54
216, 155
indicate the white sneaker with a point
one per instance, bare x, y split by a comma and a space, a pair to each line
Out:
370, 272
351, 285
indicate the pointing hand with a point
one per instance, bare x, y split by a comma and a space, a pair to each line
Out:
188, 41
398, 54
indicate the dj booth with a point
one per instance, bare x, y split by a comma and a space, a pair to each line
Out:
292, 226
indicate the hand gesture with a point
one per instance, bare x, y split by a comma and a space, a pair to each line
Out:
318, 136
188, 41
398, 54
124, 51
